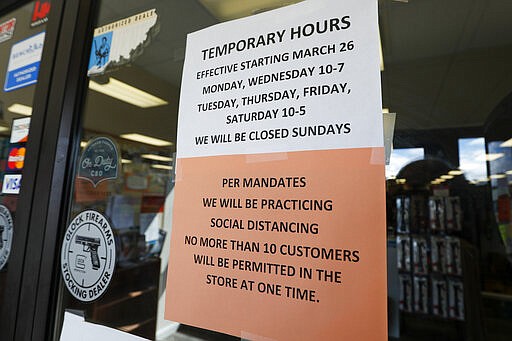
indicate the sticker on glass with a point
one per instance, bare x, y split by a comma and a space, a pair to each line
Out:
40, 13
88, 256
6, 226
7, 29
24, 60
99, 161
11, 184
16, 158
20, 129
121, 42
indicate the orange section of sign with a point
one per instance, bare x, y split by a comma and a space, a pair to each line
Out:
281, 248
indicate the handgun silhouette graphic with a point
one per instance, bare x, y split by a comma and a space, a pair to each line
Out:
90, 245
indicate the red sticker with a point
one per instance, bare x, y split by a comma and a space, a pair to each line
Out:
16, 158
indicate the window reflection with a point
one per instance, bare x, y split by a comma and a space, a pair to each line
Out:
401, 157
472, 159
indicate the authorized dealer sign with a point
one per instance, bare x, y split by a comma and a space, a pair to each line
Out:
88, 256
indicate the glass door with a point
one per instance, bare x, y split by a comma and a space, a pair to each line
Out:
122, 188
22, 38
38, 73
114, 251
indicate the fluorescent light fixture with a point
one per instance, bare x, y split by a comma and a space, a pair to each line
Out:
493, 156
509, 172
156, 157
130, 327
497, 176
440, 180
135, 293
507, 143
447, 177
127, 93
20, 109
126, 161
234, 9
455, 172
2, 129
146, 139
166, 167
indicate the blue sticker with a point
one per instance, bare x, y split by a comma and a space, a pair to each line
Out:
100, 53
24, 59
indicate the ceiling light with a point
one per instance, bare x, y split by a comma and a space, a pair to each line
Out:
2, 129
497, 176
20, 109
234, 9
126, 161
127, 93
455, 172
162, 167
401, 181
83, 144
440, 180
509, 172
447, 177
493, 156
507, 143
146, 139
156, 157
135, 293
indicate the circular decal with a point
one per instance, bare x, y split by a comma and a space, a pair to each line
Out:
88, 256
5, 235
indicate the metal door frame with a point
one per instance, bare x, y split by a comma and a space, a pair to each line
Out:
30, 301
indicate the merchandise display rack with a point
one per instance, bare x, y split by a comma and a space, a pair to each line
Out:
428, 229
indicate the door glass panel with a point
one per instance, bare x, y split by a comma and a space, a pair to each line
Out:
22, 33
131, 106
448, 180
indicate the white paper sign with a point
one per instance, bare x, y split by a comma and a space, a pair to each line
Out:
272, 88
76, 329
